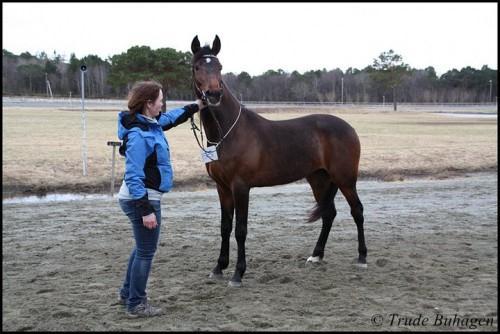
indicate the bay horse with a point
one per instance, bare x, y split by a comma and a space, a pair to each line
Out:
256, 152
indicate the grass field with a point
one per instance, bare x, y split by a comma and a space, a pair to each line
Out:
42, 147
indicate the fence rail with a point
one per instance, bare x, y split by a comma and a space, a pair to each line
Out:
35, 102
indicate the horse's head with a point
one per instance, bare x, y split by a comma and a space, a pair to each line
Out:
207, 71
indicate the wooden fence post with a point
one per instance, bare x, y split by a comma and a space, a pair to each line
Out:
114, 144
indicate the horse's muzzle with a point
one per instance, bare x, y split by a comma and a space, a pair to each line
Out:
214, 97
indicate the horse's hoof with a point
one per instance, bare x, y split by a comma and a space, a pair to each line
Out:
233, 284
215, 276
313, 259
361, 264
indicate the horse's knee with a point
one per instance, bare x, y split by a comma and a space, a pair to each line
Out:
241, 232
227, 216
225, 229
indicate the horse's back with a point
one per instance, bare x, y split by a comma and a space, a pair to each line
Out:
328, 125
327, 134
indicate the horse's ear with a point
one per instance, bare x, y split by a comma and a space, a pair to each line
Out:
195, 44
216, 45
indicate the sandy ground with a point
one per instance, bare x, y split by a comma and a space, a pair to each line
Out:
432, 253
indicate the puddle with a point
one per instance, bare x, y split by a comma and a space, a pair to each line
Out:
467, 115
287, 189
53, 198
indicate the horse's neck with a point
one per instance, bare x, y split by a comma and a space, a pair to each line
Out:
225, 115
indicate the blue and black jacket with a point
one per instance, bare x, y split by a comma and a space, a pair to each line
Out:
147, 154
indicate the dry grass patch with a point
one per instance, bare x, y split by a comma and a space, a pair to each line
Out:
42, 147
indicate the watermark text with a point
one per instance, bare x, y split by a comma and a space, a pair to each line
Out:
436, 320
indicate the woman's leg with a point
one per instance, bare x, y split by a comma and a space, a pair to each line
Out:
146, 242
124, 291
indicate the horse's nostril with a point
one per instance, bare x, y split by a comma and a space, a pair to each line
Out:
214, 93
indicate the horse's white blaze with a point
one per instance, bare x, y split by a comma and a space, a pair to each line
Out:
313, 259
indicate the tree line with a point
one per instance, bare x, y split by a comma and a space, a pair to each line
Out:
387, 79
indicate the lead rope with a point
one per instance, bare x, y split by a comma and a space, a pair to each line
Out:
195, 128
200, 129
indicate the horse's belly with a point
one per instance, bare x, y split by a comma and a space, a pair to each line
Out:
263, 181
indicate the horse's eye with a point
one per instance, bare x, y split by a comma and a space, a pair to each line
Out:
196, 68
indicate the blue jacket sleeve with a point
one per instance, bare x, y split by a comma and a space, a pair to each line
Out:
136, 154
177, 116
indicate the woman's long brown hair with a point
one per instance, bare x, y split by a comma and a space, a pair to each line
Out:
141, 93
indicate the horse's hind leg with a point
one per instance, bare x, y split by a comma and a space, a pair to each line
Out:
351, 195
324, 192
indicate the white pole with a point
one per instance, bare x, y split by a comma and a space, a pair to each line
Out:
342, 92
47, 85
50, 89
84, 126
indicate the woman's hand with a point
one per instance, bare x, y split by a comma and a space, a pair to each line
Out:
149, 221
200, 104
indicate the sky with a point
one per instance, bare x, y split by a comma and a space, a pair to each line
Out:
256, 37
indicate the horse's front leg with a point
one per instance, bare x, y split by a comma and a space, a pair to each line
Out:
241, 197
226, 226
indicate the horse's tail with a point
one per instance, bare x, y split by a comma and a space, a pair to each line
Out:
324, 206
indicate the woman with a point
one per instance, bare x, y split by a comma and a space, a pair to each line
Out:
148, 174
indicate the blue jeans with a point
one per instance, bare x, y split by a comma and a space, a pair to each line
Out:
141, 258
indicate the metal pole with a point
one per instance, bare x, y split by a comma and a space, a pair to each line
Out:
491, 90
383, 100
84, 126
342, 91
394, 97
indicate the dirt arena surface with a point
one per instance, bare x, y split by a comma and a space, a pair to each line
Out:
432, 254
